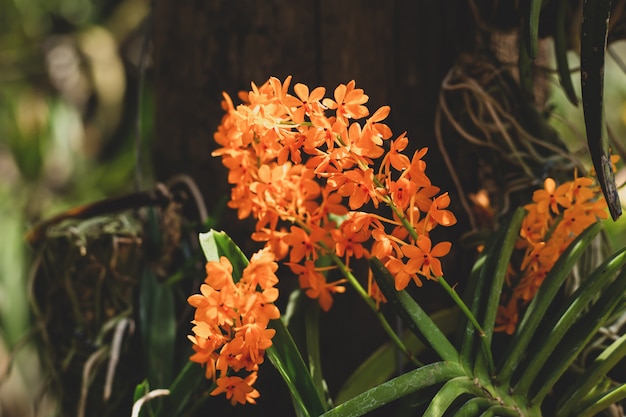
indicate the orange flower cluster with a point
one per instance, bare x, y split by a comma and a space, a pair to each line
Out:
306, 162
553, 220
230, 323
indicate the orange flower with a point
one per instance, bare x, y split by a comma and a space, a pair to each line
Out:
580, 210
230, 323
438, 214
551, 196
348, 101
394, 157
307, 163
237, 390
507, 317
303, 244
403, 273
426, 258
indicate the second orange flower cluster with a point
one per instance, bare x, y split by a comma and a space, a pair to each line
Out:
553, 220
230, 324
312, 176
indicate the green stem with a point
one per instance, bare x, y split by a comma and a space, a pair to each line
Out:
483, 337
372, 305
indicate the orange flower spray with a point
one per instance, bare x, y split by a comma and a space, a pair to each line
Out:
321, 165
557, 215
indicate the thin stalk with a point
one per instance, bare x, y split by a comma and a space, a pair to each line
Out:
372, 305
481, 333
354, 282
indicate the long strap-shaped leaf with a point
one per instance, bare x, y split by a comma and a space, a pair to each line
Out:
538, 307
560, 52
286, 358
585, 382
412, 314
595, 28
495, 280
554, 330
381, 365
403, 385
451, 390
473, 407
501, 411
531, 28
502, 259
604, 401
579, 336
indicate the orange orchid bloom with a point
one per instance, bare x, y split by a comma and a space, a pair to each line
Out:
425, 257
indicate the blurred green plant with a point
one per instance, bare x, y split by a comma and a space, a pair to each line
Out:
64, 78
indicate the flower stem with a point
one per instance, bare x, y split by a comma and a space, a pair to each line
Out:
372, 305
470, 316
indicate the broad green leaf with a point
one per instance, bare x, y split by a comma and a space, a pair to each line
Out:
286, 358
553, 331
217, 244
411, 382
603, 401
473, 407
610, 357
525, 68
140, 390
381, 365
494, 275
184, 389
502, 256
502, 411
158, 329
312, 330
412, 314
560, 52
579, 336
539, 305
451, 390
531, 28
594, 32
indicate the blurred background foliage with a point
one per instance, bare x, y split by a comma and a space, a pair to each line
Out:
69, 72
69, 84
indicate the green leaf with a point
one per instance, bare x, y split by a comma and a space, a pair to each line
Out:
184, 389
403, 385
525, 68
158, 329
594, 32
539, 305
217, 244
451, 390
592, 376
579, 336
603, 401
531, 28
140, 390
501, 411
286, 358
552, 332
382, 364
412, 314
493, 276
312, 330
502, 257
560, 52
474, 297
473, 407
